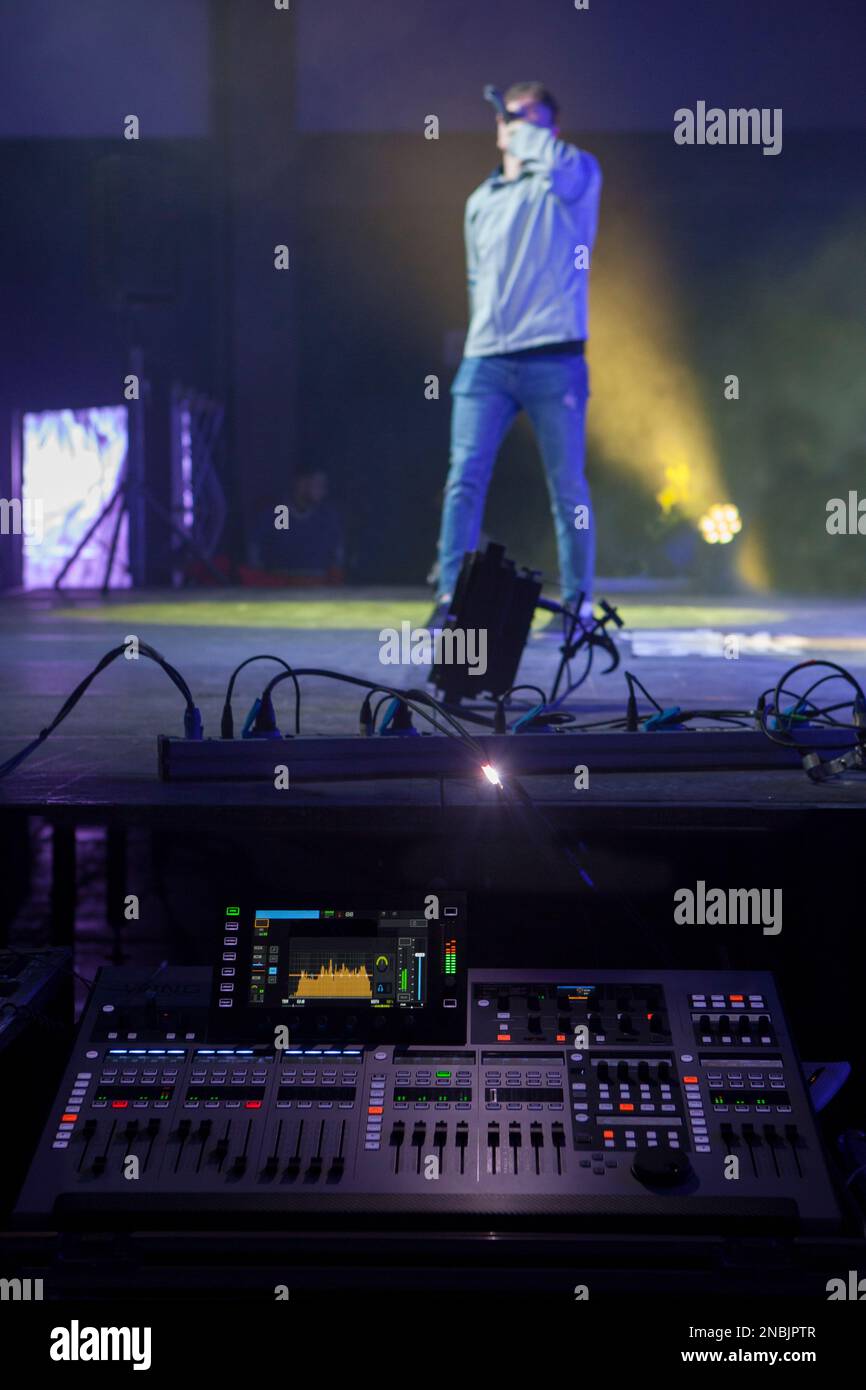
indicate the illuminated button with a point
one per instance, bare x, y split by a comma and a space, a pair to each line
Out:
375, 1109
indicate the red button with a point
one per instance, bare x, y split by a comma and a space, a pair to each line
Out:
119, 1104
503, 1037
253, 1105
68, 1119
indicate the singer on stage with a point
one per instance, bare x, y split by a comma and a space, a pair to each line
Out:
529, 232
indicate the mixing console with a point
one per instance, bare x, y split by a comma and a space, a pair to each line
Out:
623, 1096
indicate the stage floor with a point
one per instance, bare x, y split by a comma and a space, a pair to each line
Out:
103, 758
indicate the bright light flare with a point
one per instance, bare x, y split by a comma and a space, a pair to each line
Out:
720, 524
491, 774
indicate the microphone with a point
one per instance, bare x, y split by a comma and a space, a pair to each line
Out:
494, 96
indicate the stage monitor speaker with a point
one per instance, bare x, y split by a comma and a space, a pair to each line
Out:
494, 597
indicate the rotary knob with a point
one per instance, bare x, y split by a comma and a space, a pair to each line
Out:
661, 1167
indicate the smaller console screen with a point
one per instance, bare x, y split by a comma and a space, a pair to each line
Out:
360, 972
301, 959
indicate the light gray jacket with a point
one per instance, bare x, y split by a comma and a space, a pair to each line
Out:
522, 240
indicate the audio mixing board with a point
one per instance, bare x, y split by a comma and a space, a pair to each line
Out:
340, 1064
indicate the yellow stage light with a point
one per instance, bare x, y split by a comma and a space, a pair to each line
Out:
720, 523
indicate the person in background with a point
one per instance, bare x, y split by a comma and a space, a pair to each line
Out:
311, 549
529, 229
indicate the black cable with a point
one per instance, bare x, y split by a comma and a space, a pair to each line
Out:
227, 726
785, 738
512, 690
192, 718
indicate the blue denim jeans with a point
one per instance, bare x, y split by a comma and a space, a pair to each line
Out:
487, 394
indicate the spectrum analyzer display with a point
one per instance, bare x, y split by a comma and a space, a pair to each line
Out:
378, 961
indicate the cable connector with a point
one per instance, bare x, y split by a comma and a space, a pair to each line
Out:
783, 719
527, 720
631, 711
398, 720
499, 724
227, 723
264, 724
365, 718
192, 725
666, 719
